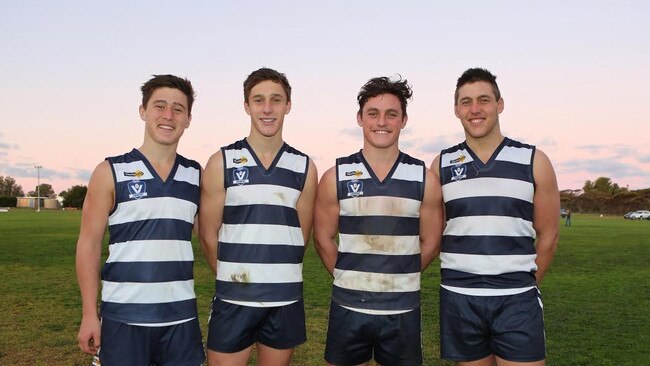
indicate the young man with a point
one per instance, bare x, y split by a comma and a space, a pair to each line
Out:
149, 198
257, 199
501, 204
387, 209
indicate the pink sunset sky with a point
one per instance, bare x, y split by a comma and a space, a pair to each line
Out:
573, 74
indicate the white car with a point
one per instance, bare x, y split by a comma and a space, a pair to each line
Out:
640, 215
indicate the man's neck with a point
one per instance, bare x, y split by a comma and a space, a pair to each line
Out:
266, 148
484, 147
380, 160
161, 157
158, 153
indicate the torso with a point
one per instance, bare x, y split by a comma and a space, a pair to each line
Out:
488, 242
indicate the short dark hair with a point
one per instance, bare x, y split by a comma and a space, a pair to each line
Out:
264, 74
168, 81
384, 85
477, 74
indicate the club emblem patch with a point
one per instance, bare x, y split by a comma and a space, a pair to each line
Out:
355, 188
137, 189
240, 176
458, 172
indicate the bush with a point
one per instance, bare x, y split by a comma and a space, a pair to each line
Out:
8, 201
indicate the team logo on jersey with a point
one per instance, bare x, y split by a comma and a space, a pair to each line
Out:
240, 176
354, 173
458, 172
459, 159
138, 174
241, 160
355, 188
137, 189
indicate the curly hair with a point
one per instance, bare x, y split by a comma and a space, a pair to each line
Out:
384, 85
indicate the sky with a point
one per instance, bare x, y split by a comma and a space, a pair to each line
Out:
573, 75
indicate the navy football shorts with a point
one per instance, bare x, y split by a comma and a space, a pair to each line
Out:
474, 327
134, 345
233, 328
353, 338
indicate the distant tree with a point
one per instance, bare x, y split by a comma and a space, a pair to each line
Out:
74, 196
8, 187
46, 191
602, 186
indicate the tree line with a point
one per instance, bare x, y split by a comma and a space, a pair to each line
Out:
602, 196
598, 196
10, 190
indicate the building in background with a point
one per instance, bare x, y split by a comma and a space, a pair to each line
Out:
30, 202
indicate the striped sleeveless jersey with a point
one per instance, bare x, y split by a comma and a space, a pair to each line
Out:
148, 275
488, 245
378, 262
261, 245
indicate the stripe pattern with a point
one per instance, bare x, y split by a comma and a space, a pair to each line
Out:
378, 262
261, 245
148, 275
488, 245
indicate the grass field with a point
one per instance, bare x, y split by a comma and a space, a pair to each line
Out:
596, 295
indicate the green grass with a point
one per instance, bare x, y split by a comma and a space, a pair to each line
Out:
596, 295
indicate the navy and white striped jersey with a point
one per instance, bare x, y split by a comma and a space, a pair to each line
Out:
261, 245
148, 276
378, 262
488, 245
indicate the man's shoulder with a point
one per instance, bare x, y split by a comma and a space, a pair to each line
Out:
519, 144
349, 159
408, 159
292, 150
237, 145
451, 149
127, 157
188, 163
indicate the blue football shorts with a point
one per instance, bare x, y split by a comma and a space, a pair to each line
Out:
134, 345
354, 338
233, 328
474, 327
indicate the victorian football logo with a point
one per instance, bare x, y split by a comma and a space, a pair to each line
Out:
240, 176
458, 172
355, 188
137, 189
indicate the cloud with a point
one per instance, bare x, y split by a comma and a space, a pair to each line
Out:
616, 150
6, 146
592, 148
21, 170
644, 158
407, 144
435, 145
83, 174
351, 132
603, 167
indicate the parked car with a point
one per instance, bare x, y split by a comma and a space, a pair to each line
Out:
628, 215
564, 212
640, 215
